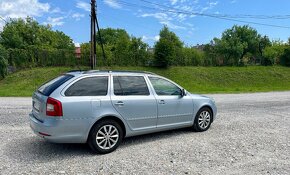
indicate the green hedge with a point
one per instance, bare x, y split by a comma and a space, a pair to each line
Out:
32, 57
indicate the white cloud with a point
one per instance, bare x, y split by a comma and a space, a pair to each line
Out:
21, 9
56, 10
113, 4
84, 5
177, 21
171, 25
157, 37
173, 2
77, 44
209, 6
150, 38
233, 1
55, 21
163, 19
78, 16
160, 16
182, 17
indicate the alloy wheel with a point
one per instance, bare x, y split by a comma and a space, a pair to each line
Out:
107, 136
204, 119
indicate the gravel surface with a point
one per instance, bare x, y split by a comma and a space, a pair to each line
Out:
250, 136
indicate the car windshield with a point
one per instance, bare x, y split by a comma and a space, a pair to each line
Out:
50, 86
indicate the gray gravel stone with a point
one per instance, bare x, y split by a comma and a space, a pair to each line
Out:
250, 136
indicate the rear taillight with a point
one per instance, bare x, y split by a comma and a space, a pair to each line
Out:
53, 107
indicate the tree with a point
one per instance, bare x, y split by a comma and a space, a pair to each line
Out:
273, 53
192, 56
211, 57
263, 43
21, 34
168, 49
120, 49
138, 52
30, 44
118, 40
111, 36
236, 42
285, 57
3, 62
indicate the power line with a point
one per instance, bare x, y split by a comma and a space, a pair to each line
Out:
213, 16
3, 19
222, 17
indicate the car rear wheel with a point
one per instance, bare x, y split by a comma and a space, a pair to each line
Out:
105, 136
202, 120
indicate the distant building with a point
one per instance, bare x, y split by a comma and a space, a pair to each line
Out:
199, 47
151, 50
78, 50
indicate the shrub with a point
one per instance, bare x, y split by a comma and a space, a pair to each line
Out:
285, 58
3, 62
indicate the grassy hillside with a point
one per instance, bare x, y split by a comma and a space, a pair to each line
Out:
194, 79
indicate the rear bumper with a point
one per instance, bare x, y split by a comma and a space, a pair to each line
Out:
60, 130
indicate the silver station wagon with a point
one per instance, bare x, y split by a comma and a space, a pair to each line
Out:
102, 107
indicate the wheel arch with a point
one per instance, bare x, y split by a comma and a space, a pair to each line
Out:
210, 108
109, 117
205, 105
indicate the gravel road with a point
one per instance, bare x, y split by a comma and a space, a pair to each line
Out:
250, 136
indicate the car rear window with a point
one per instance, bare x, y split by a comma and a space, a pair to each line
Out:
47, 88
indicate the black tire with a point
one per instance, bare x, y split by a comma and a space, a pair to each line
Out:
100, 126
197, 125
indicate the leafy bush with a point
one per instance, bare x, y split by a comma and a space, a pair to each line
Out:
3, 62
285, 58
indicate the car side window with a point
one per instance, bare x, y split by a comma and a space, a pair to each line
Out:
164, 87
91, 86
130, 85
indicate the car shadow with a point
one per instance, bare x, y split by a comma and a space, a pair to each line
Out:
38, 150
140, 139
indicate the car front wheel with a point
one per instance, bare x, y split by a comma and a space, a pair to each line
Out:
105, 136
202, 120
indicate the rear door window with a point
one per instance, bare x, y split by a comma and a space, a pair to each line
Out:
91, 86
47, 88
130, 85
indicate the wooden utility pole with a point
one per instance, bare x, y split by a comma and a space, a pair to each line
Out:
93, 35
94, 21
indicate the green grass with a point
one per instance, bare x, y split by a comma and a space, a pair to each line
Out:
194, 79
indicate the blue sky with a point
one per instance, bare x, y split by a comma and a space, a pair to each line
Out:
143, 19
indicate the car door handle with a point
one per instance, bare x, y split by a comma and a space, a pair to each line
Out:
119, 103
161, 102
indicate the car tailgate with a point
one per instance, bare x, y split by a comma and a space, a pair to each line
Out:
39, 106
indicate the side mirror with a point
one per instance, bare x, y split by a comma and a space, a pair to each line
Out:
182, 92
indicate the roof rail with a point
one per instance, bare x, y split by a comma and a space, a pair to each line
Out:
116, 71
91, 71
131, 71
77, 70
